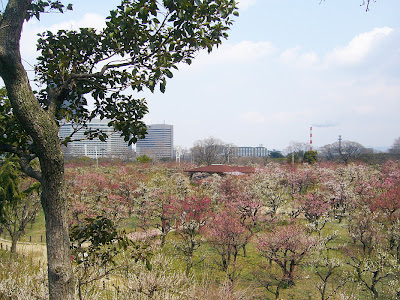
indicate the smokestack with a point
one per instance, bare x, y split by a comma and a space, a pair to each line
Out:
311, 138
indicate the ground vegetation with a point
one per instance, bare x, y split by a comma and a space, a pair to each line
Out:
320, 231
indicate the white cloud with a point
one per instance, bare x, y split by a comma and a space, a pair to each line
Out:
33, 28
358, 48
243, 52
290, 55
89, 20
294, 57
244, 4
355, 52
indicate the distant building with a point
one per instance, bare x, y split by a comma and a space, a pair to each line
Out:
114, 146
249, 151
158, 143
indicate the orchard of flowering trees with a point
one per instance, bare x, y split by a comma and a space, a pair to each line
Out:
321, 231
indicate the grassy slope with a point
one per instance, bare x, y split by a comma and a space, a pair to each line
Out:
36, 231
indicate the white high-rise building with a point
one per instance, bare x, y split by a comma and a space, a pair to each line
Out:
114, 146
158, 143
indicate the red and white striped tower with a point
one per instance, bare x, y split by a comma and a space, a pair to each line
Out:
311, 138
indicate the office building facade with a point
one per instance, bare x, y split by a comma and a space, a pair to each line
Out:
114, 146
249, 151
158, 143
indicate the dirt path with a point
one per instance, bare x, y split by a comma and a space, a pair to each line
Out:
37, 250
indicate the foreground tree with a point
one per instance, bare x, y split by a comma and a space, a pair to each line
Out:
227, 236
19, 201
140, 45
327, 267
267, 186
315, 207
192, 214
95, 193
154, 202
96, 247
375, 271
287, 247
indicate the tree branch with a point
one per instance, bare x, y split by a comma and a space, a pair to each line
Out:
111, 65
25, 159
11, 26
9, 149
27, 168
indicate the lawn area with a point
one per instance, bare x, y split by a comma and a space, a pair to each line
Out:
206, 261
36, 231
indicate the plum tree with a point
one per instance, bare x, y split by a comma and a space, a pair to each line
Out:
142, 43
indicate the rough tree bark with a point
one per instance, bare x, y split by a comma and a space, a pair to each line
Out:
41, 127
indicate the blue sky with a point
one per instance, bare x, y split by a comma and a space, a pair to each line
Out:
286, 66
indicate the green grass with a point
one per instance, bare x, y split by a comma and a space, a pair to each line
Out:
246, 267
36, 232
205, 267
129, 224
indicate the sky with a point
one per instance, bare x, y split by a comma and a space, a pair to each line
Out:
287, 65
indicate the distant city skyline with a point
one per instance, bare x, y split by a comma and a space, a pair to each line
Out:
286, 66
271, 147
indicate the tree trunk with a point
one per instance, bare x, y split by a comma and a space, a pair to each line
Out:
244, 250
14, 240
61, 285
163, 238
40, 125
323, 290
15, 236
189, 264
277, 293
